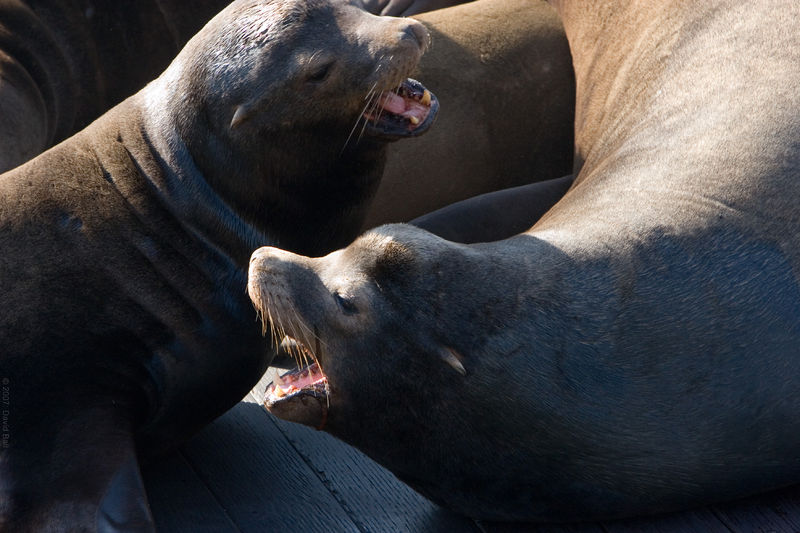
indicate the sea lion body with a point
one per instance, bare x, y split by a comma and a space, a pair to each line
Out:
125, 247
63, 64
636, 351
505, 71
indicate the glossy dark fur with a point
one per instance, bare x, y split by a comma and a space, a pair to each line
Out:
495, 215
636, 351
124, 248
64, 63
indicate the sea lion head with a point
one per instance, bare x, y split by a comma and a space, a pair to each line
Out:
348, 314
387, 350
288, 105
431, 357
263, 66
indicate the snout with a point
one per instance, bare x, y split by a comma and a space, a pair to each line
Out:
275, 271
267, 264
417, 32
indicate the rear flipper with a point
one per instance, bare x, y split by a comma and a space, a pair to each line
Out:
124, 506
72, 471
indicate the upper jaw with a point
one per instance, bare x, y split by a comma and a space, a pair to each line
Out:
300, 395
407, 111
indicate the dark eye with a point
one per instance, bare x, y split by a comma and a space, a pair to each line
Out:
320, 73
345, 304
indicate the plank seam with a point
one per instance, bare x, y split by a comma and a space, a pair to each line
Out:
323, 479
722, 517
213, 494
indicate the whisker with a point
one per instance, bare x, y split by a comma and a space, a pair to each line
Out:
376, 103
370, 96
319, 352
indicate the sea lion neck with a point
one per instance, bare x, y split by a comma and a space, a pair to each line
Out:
204, 211
310, 189
613, 72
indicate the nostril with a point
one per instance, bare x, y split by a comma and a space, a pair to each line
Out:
419, 33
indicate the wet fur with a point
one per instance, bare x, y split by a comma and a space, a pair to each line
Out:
64, 64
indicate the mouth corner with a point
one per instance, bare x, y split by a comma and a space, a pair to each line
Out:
300, 395
408, 111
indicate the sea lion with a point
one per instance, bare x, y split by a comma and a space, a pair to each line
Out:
125, 247
64, 63
505, 71
638, 349
405, 8
495, 215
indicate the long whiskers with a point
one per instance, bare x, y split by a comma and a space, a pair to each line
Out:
279, 315
370, 98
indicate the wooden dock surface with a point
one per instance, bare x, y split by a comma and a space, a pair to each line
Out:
249, 472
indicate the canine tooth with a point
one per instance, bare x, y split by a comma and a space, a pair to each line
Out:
278, 391
426, 98
414, 120
453, 358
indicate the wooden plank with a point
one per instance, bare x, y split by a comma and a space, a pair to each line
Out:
492, 527
258, 477
775, 512
180, 501
375, 499
698, 521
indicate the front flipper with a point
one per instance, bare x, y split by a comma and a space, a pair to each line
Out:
124, 506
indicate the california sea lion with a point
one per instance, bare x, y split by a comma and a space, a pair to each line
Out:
125, 248
405, 8
505, 71
63, 63
638, 349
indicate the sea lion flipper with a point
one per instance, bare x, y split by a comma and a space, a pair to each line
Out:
124, 506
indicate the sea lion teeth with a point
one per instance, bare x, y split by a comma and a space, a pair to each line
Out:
239, 116
426, 98
451, 358
278, 391
414, 120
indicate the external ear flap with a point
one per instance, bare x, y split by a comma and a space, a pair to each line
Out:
453, 358
240, 115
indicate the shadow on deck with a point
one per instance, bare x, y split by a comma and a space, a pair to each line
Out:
251, 472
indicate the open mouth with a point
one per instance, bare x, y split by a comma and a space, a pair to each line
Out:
300, 395
407, 111
308, 379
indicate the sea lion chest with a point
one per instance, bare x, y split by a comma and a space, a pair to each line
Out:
134, 291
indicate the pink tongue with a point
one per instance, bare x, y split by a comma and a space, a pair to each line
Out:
392, 102
415, 109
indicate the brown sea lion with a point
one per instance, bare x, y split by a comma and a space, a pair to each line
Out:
125, 248
64, 63
495, 215
637, 350
504, 69
405, 8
